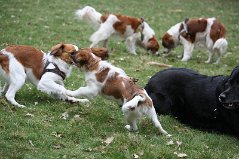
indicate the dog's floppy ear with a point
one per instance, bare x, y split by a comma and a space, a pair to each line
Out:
57, 50
101, 52
142, 19
186, 20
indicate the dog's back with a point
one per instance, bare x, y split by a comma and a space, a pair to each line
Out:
186, 94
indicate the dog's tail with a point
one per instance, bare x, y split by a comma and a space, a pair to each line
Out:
133, 103
221, 45
90, 16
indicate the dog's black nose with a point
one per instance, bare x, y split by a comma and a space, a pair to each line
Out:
222, 97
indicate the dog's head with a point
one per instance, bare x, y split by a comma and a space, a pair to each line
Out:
64, 52
88, 58
153, 45
230, 96
168, 43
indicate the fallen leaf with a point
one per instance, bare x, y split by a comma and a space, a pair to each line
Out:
58, 146
56, 134
108, 140
180, 155
64, 115
170, 142
179, 143
135, 156
30, 142
30, 115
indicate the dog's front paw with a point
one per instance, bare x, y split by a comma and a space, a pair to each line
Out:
21, 106
70, 93
83, 101
75, 100
130, 128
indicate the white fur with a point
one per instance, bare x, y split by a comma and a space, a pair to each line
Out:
50, 83
105, 30
93, 88
201, 38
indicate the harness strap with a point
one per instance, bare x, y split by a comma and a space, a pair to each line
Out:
55, 70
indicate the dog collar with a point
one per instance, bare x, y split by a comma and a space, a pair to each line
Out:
55, 70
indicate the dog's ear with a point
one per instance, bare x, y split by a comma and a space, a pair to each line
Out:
101, 52
142, 19
57, 50
186, 20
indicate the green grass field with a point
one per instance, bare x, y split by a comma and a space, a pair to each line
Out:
96, 130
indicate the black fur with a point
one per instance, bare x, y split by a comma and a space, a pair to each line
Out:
205, 102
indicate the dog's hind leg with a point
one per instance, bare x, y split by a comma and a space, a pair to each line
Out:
5, 88
210, 56
152, 114
14, 86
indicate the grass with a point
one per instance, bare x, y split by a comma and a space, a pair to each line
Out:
45, 134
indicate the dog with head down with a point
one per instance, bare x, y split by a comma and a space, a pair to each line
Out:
208, 32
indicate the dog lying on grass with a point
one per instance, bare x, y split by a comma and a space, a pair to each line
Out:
205, 102
103, 78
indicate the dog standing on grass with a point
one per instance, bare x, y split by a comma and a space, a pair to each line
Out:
133, 30
207, 31
19, 63
103, 78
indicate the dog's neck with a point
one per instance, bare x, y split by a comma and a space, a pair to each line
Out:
92, 64
62, 65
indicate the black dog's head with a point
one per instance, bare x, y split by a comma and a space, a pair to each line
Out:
230, 96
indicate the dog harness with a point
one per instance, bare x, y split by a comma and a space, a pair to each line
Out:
55, 70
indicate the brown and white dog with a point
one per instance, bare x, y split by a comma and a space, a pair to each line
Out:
207, 31
133, 30
46, 71
103, 78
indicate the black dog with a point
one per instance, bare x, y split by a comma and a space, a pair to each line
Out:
204, 102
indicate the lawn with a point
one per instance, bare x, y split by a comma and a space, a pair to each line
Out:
49, 128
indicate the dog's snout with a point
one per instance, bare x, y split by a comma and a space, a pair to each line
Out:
222, 97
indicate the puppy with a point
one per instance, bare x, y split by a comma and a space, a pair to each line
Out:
103, 78
207, 31
133, 30
19, 63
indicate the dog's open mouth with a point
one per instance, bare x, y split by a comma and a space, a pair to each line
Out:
231, 105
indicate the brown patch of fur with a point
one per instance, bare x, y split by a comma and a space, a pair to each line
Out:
217, 31
101, 75
123, 22
100, 52
153, 45
124, 89
168, 41
29, 57
194, 26
4, 62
